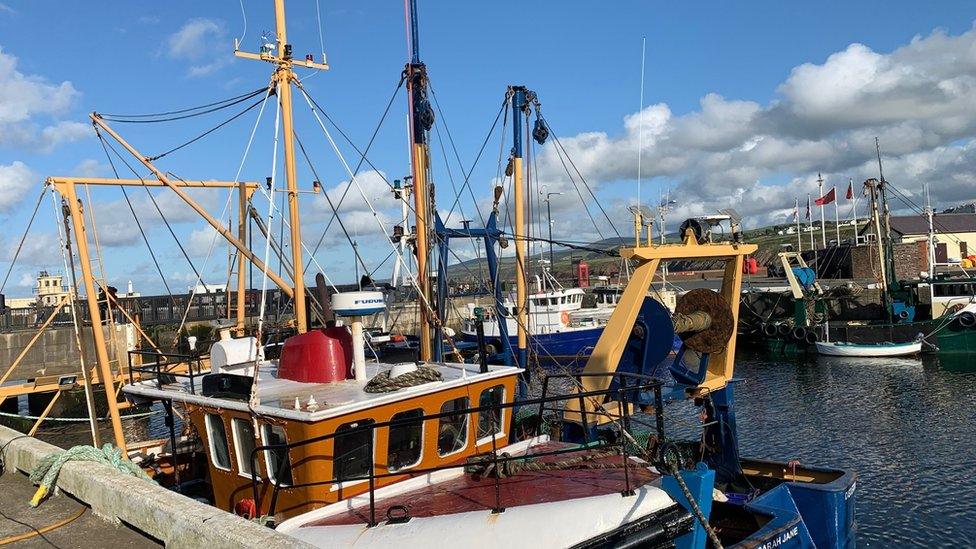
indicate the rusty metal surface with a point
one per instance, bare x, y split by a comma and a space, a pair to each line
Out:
716, 336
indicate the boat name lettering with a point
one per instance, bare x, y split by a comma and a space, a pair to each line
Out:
780, 539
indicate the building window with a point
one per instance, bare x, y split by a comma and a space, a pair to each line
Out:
217, 435
243, 431
406, 440
452, 430
490, 421
352, 450
279, 466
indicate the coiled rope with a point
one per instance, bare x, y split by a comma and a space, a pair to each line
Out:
46, 472
382, 383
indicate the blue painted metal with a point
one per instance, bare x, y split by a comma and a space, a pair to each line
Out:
490, 235
518, 105
700, 483
414, 34
902, 312
556, 344
651, 341
805, 276
828, 508
785, 527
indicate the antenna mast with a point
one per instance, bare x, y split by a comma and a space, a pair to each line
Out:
284, 76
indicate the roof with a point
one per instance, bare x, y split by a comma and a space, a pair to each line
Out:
943, 223
277, 396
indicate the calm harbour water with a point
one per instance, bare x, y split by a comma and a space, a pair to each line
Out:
906, 427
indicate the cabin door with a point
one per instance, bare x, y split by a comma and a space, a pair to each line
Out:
941, 254
963, 250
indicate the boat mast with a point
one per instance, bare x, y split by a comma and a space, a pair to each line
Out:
873, 185
421, 119
520, 108
883, 189
284, 76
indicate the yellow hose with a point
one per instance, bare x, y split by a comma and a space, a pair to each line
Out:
39, 531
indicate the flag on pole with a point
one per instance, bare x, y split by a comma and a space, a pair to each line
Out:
850, 190
827, 198
808, 208
796, 210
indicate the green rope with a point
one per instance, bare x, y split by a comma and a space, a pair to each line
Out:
46, 472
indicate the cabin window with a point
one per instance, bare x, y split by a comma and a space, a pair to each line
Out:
352, 450
490, 421
217, 434
243, 431
406, 440
452, 430
279, 466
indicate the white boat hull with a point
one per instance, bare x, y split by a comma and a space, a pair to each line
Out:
879, 350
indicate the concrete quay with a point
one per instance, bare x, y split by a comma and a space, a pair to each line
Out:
123, 507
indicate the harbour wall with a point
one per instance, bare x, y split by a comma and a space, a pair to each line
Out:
160, 513
56, 352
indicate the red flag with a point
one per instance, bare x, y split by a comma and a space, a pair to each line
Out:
827, 198
850, 190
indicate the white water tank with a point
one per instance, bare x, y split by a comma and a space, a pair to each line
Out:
231, 352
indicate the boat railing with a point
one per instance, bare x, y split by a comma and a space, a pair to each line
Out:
624, 392
164, 368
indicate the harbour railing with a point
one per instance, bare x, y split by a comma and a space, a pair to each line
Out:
624, 393
165, 368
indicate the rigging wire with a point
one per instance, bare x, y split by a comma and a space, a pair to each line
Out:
362, 153
182, 114
230, 194
20, 246
582, 179
447, 130
252, 401
142, 232
318, 16
352, 179
467, 177
335, 212
207, 132
240, 40
105, 147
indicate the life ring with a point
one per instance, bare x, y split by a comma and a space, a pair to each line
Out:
565, 318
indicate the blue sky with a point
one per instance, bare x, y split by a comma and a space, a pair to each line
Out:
745, 103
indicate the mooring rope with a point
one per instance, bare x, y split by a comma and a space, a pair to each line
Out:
383, 383
46, 472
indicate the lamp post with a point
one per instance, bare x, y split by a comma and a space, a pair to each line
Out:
549, 216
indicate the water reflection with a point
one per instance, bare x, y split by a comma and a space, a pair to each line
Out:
904, 425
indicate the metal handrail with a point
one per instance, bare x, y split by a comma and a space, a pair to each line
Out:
156, 367
643, 383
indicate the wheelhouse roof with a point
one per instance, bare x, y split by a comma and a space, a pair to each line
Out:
277, 396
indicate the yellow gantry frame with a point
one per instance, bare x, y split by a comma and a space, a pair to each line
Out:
610, 347
66, 187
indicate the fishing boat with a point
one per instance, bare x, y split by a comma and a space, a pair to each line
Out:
559, 325
877, 350
336, 451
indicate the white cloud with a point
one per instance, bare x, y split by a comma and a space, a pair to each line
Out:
203, 42
200, 240
920, 99
25, 99
15, 180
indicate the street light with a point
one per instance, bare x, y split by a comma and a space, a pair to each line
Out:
549, 215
